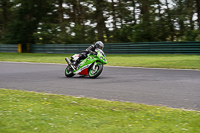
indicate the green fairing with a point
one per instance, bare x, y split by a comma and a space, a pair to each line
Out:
91, 59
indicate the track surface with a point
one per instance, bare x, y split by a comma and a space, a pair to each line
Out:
173, 88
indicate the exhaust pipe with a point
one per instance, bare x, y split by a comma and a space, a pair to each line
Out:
69, 62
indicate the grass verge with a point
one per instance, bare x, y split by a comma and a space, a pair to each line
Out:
174, 61
22, 111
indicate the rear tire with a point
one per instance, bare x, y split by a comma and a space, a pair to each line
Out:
69, 72
95, 73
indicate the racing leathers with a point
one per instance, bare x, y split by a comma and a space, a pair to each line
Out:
83, 55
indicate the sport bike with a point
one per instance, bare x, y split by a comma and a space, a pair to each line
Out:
91, 66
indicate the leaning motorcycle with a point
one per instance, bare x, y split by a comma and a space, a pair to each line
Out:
91, 66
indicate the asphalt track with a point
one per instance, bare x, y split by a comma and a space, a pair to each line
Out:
167, 87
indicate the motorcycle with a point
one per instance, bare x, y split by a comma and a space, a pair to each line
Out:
91, 66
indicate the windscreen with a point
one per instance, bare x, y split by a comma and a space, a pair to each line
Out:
101, 51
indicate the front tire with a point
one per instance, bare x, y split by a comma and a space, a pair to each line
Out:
69, 71
97, 71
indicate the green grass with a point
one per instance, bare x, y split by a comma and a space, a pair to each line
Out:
152, 60
32, 112
157, 61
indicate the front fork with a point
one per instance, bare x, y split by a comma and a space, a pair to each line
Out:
93, 67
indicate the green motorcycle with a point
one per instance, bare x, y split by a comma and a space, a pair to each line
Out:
91, 66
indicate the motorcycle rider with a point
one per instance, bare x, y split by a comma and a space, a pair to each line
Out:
91, 50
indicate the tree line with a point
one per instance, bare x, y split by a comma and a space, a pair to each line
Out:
86, 21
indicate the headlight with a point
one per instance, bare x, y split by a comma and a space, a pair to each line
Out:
101, 58
104, 60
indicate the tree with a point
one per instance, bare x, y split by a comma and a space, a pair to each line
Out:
100, 19
61, 14
5, 16
27, 17
86, 21
198, 12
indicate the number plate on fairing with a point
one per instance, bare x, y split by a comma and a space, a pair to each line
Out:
75, 57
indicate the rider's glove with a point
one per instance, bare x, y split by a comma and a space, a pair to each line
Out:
94, 53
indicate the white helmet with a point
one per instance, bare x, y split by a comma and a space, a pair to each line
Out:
99, 44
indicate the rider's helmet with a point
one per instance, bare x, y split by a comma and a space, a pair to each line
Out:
99, 44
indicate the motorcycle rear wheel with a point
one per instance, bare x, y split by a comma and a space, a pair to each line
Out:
97, 71
69, 72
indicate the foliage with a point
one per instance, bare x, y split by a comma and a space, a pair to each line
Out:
191, 35
27, 16
85, 21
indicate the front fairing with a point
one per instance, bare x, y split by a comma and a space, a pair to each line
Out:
101, 56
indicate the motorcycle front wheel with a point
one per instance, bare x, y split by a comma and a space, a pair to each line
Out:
95, 71
69, 71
